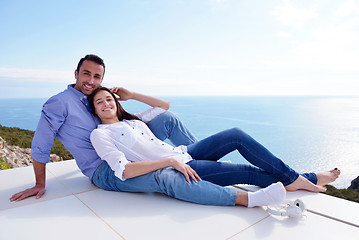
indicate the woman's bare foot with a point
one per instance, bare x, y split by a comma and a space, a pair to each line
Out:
304, 184
328, 176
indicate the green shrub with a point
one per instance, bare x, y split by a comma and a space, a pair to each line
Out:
17, 136
60, 150
22, 138
348, 194
3, 165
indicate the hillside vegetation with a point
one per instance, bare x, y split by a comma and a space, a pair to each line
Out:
22, 138
348, 194
3, 164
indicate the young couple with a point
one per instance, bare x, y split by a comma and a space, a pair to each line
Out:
131, 158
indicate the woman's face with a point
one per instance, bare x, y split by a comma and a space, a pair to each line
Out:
105, 107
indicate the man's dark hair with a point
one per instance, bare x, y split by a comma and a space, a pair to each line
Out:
92, 58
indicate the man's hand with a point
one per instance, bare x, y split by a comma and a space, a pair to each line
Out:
123, 93
37, 190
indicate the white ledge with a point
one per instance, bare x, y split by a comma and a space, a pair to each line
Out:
73, 208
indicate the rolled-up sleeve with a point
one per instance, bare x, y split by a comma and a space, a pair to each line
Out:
150, 114
108, 152
53, 115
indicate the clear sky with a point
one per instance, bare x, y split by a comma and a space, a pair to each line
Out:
183, 47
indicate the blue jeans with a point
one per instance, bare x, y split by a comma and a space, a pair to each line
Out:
168, 126
267, 168
167, 181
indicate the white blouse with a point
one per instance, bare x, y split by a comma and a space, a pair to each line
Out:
131, 141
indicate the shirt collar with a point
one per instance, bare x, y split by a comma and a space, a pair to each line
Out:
111, 124
71, 87
80, 95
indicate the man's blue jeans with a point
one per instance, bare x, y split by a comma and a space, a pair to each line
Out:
267, 168
168, 126
167, 181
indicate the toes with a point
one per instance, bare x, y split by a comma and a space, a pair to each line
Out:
336, 172
322, 189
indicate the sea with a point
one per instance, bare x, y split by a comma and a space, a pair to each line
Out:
307, 133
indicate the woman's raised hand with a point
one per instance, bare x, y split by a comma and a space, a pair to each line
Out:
123, 93
186, 170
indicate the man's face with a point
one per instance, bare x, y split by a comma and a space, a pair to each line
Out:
89, 77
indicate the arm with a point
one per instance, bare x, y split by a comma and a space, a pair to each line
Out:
116, 159
51, 120
125, 95
135, 169
38, 189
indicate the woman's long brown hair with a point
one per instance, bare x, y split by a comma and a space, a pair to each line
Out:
121, 113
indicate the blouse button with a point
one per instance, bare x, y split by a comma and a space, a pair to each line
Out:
163, 144
182, 152
119, 161
152, 139
122, 134
142, 133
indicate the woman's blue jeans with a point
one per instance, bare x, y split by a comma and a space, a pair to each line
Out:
167, 181
215, 174
267, 168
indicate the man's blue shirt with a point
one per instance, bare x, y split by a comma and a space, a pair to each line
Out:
67, 116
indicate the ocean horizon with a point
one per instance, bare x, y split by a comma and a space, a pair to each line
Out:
308, 133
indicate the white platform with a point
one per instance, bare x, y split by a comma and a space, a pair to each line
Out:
73, 208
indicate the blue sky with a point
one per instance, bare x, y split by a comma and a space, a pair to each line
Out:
183, 47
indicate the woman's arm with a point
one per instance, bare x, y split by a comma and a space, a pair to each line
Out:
109, 152
125, 95
135, 169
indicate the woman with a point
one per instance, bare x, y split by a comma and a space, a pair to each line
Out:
131, 150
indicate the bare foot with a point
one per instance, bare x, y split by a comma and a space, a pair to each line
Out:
304, 184
328, 176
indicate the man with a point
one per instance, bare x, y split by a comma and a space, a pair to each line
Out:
68, 117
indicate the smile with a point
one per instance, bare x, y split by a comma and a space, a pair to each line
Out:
89, 87
107, 109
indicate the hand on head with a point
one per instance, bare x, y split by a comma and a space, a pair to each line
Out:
123, 93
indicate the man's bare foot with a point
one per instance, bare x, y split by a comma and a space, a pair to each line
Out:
304, 184
328, 176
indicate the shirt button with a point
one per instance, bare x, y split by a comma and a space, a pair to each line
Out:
142, 133
122, 134
182, 152
163, 144
119, 161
